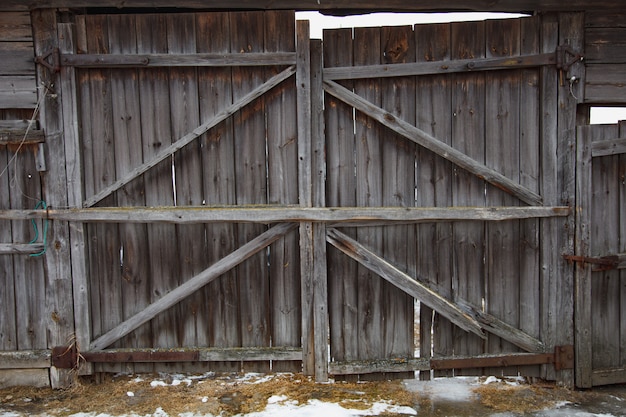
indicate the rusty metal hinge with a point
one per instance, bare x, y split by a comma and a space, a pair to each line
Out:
53, 54
563, 357
566, 56
604, 263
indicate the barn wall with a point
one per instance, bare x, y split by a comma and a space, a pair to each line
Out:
605, 57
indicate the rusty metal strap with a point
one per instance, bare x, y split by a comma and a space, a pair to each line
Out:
604, 263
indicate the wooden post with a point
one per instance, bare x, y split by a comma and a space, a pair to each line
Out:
58, 304
582, 278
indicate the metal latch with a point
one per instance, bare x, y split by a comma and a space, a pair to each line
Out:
53, 54
605, 263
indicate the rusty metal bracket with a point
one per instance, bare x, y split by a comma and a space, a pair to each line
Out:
563, 52
563, 357
53, 54
604, 263
64, 357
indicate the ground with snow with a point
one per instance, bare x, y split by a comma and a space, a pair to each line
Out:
282, 395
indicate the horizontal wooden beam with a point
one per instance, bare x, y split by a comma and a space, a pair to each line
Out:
344, 216
25, 359
609, 147
20, 248
68, 357
17, 137
337, 6
438, 67
439, 363
433, 144
191, 136
608, 376
189, 287
417, 290
177, 60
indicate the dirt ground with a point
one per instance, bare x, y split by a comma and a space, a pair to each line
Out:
229, 395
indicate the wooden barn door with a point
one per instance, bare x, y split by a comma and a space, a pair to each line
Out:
180, 110
445, 116
601, 255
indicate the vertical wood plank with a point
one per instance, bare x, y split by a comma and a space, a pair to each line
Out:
583, 310
604, 239
309, 302
550, 228
58, 293
621, 244
156, 134
341, 183
126, 128
318, 170
247, 34
367, 51
433, 188
468, 133
104, 247
571, 32
398, 189
218, 164
529, 175
74, 169
184, 103
283, 148
502, 153
8, 324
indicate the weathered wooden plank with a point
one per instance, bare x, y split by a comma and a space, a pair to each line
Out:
20, 249
156, 117
17, 58
341, 6
390, 273
184, 103
422, 138
609, 376
608, 147
18, 92
600, 18
605, 83
620, 185
134, 257
24, 359
104, 248
57, 294
432, 68
530, 176
502, 153
434, 242
347, 216
218, 164
285, 151
583, 309
15, 27
368, 149
195, 355
24, 377
605, 45
398, 189
309, 303
8, 324
25, 137
571, 32
247, 34
177, 59
467, 135
341, 183
320, 261
549, 165
188, 138
189, 287
379, 366
604, 199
